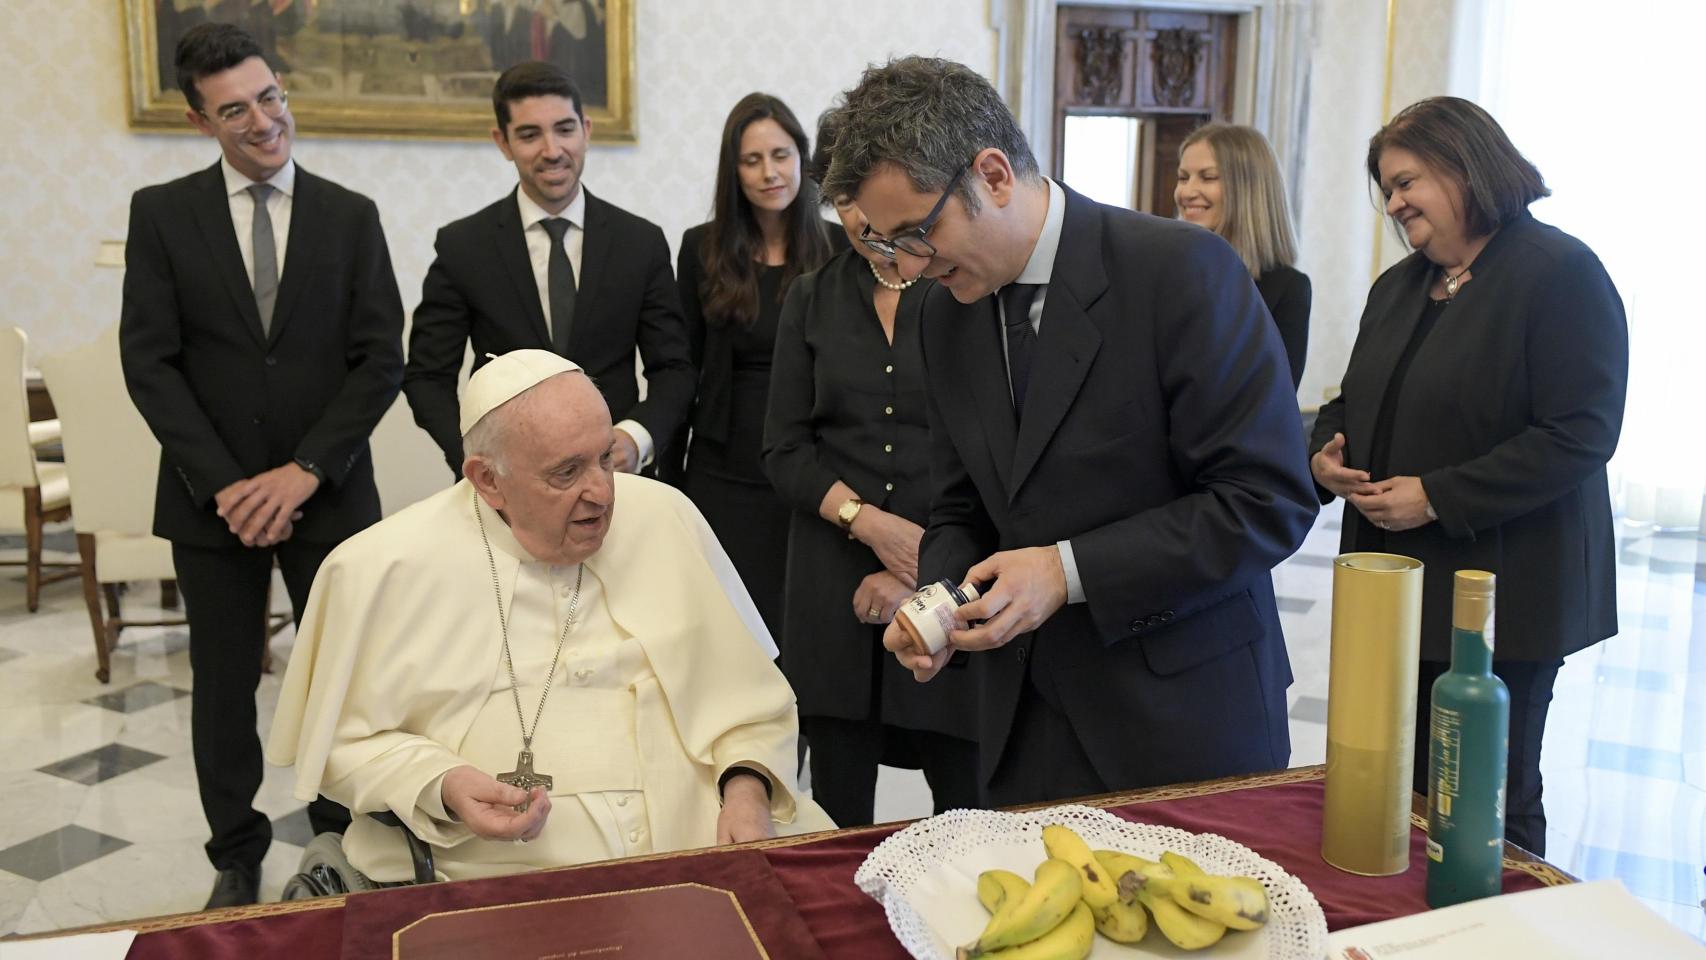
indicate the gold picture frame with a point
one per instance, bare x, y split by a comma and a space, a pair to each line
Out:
395, 69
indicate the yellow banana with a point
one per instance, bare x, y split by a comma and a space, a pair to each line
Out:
1063, 844
1237, 902
1071, 939
1130, 872
1182, 865
994, 887
1182, 928
1122, 922
1054, 891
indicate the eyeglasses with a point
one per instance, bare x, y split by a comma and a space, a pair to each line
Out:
239, 117
912, 242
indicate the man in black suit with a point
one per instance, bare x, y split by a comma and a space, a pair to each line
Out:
1117, 451
552, 267
261, 339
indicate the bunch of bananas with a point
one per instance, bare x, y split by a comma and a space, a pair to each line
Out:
1078, 891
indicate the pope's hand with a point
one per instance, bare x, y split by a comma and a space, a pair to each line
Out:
487, 807
746, 811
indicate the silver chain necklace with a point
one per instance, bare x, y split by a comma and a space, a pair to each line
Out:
523, 775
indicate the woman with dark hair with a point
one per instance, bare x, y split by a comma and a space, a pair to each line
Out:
847, 445
1229, 182
1480, 405
732, 273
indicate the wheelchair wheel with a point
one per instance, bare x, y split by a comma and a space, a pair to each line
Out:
326, 871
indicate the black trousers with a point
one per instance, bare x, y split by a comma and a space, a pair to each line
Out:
225, 596
845, 755
1043, 760
1530, 685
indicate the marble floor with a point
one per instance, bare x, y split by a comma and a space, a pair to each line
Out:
99, 818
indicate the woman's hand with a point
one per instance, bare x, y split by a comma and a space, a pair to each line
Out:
1397, 503
893, 539
1328, 466
879, 595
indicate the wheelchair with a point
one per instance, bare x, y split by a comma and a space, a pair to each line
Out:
327, 872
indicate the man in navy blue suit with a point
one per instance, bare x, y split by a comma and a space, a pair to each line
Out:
1119, 457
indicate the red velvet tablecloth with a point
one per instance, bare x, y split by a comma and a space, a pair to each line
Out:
1278, 815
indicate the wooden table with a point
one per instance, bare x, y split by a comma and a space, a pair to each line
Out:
1276, 814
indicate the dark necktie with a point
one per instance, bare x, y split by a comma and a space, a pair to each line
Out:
1016, 301
559, 285
265, 251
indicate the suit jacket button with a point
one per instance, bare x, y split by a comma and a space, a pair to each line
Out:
272, 361
1021, 654
1156, 620
256, 421
1166, 616
1136, 625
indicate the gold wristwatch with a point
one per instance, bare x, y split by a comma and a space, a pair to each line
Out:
846, 513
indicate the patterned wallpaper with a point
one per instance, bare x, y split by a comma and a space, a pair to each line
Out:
68, 162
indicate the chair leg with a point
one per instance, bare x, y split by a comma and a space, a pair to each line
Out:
169, 594
92, 598
111, 591
32, 547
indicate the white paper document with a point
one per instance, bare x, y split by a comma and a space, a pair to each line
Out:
84, 946
1590, 921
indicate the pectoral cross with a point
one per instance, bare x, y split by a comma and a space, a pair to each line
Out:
524, 777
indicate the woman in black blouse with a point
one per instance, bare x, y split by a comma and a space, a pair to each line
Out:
1230, 183
1482, 400
732, 272
847, 446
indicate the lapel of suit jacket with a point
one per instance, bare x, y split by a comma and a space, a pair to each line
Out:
511, 245
1385, 344
307, 216
978, 335
213, 216
595, 252
1067, 339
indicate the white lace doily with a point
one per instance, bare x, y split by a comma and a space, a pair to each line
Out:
925, 877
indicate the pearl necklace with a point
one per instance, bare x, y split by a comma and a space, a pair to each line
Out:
882, 280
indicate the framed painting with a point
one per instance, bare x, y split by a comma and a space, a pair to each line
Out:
396, 69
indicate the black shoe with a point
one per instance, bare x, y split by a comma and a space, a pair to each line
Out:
236, 887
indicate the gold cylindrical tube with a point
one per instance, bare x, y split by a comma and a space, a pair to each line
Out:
1371, 712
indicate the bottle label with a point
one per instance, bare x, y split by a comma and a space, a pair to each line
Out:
1436, 853
1446, 732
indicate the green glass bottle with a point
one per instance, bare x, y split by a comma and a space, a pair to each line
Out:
1469, 740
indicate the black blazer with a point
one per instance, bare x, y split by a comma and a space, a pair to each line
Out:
1286, 292
480, 287
227, 403
1508, 414
1160, 437
833, 375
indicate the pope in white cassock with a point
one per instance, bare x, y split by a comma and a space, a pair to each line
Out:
519, 626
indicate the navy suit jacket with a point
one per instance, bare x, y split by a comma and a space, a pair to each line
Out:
481, 288
227, 401
1161, 437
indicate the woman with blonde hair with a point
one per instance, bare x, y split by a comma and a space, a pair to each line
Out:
1230, 183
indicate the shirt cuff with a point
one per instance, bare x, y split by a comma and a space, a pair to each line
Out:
642, 439
431, 801
1069, 566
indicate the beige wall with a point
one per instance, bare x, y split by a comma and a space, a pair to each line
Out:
1339, 214
68, 162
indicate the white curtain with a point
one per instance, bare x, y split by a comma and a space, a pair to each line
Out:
1604, 102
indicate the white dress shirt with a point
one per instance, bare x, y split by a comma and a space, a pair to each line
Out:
243, 211
533, 219
1038, 269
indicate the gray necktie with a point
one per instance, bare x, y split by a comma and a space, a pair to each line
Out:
266, 256
559, 285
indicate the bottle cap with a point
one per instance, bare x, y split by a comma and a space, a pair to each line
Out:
1472, 600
